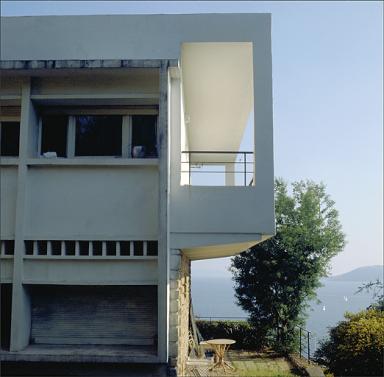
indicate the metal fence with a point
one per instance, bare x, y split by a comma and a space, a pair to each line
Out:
234, 167
305, 338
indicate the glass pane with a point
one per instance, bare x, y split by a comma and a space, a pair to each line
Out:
54, 134
10, 133
144, 136
98, 135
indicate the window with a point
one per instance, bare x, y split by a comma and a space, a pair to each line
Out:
144, 135
99, 135
10, 135
81, 248
54, 130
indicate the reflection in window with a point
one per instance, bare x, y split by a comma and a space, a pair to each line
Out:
98, 135
10, 134
54, 134
144, 136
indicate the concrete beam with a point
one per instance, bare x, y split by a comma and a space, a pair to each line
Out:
81, 64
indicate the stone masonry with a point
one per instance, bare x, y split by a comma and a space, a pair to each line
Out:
179, 311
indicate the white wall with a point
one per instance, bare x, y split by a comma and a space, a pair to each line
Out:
6, 270
230, 210
123, 37
97, 272
92, 203
8, 189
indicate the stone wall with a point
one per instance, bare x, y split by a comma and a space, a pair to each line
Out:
179, 311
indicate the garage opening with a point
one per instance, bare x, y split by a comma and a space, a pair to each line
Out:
94, 315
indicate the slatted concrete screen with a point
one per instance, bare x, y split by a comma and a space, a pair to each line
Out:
94, 315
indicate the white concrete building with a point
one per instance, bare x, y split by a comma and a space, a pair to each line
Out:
120, 164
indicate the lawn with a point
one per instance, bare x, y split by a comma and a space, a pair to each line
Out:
251, 364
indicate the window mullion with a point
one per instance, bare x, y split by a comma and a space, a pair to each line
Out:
126, 137
39, 137
71, 137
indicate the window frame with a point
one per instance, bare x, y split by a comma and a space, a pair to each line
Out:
126, 134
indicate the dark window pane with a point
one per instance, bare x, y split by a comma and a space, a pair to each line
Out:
97, 248
56, 247
54, 134
29, 247
98, 135
138, 248
152, 248
42, 247
83, 245
111, 248
9, 247
70, 247
124, 248
10, 133
144, 135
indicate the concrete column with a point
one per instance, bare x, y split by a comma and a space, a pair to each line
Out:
21, 311
263, 117
229, 175
163, 232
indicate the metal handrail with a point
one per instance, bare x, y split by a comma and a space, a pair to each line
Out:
304, 347
304, 344
244, 163
219, 152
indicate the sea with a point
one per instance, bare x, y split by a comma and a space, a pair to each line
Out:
213, 297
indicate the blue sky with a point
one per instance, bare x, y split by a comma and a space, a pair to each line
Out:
328, 95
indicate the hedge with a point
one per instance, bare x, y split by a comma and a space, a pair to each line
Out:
241, 331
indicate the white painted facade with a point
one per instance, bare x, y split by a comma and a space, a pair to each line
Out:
202, 75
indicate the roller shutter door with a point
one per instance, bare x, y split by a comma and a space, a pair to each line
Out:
94, 315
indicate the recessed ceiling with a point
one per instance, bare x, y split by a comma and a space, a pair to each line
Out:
218, 94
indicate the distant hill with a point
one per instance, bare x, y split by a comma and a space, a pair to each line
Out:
368, 273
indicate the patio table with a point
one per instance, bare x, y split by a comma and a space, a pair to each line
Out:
220, 346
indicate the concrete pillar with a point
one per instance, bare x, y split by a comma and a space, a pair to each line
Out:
163, 232
21, 310
263, 117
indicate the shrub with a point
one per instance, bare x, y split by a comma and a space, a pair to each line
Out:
245, 335
355, 346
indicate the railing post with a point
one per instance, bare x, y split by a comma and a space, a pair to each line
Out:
309, 352
300, 341
189, 168
245, 168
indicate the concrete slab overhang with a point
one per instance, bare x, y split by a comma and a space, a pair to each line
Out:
217, 80
207, 246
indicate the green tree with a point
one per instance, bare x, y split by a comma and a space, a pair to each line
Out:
274, 280
355, 346
377, 287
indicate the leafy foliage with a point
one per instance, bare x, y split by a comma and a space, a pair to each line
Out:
245, 335
274, 280
377, 287
355, 346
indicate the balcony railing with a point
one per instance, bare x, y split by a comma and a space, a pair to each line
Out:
217, 168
